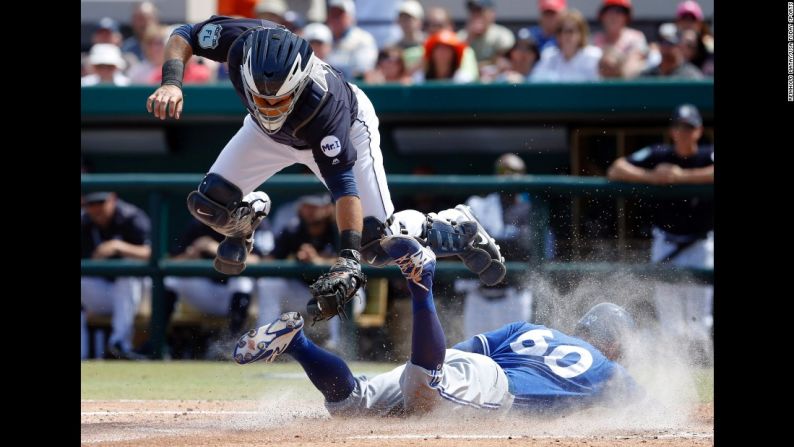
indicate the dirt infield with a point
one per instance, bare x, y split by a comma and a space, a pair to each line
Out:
286, 421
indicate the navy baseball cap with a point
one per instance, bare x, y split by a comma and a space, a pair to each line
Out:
108, 24
96, 197
687, 114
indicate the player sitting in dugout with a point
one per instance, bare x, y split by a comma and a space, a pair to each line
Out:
520, 366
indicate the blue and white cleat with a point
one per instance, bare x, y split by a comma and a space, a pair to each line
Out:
413, 258
269, 341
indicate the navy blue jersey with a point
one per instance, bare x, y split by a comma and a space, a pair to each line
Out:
324, 112
129, 224
551, 371
686, 216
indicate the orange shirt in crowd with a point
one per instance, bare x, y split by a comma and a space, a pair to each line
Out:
243, 8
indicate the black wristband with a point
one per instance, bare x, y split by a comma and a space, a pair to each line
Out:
349, 253
173, 71
350, 239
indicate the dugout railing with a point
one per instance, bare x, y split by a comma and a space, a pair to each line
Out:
166, 191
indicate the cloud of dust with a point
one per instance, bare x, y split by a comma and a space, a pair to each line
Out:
657, 362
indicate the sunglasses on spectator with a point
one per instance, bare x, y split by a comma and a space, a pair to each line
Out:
569, 30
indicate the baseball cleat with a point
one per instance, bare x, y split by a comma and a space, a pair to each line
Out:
413, 259
269, 341
491, 269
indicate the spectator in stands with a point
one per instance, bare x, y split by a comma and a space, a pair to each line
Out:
107, 32
354, 50
443, 55
111, 228
153, 47
106, 66
272, 10
689, 46
144, 15
149, 71
683, 229
320, 38
610, 66
390, 68
615, 16
311, 238
310, 10
673, 63
295, 22
574, 60
379, 18
505, 216
695, 32
437, 20
545, 32
236, 8
410, 18
489, 40
520, 60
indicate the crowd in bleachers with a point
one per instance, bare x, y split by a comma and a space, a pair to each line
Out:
410, 45
401, 41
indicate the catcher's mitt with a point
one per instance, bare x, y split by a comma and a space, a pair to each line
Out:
336, 288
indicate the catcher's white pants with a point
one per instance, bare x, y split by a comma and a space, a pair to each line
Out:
684, 310
207, 296
251, 157
119, 298
481, 314
466, 381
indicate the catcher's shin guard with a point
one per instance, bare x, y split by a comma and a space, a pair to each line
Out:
447, 238
231, 255
483, 256
219, 204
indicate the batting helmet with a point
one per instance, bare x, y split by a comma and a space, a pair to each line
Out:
275, 70
605, 326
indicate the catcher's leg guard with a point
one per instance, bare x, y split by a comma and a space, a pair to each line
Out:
492, 270
448, 238
219, 204
231, 255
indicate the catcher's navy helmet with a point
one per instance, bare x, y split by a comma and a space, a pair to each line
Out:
275, 70
605, 326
